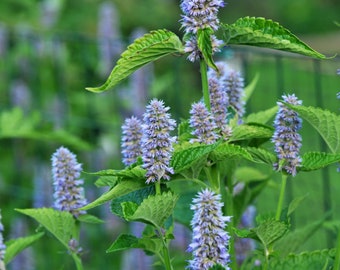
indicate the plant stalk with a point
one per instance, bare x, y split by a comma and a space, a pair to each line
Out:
281, 198
158, 187
336, 265
226, 190
165, 251
205, 85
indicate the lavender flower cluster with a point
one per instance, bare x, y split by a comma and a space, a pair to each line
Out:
199, 15
286, 138
2, 244
210, 240
68, 190
226, 89
132, 134
150, 139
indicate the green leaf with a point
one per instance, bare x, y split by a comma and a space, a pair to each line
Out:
261, 155
261, 117
143, 50
14, 124
326, 123
106, 181
228, 151
292, 242
122, 188
270, 231
317, 160
86, 218
15, 246
127, 241
249, 89
155, 210
251, 131
249, 174
217, 267
59, 223
123, 242
136, 197
253, 187
261, 32
183, 159
133, 173
314, 260
295, 203
205, 46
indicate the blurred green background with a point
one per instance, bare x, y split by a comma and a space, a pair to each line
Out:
50, 50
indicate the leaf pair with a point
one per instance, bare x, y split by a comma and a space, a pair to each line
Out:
245, 31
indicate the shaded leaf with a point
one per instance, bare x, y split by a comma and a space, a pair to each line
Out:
270, 231
261, 32
143, 50
326, 123
314, 260
295, 203
15, 246
317, 160
136, 197
59, 223
249, 89
127, 241
292, 242
205, 46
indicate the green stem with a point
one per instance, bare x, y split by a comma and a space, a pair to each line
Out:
281, 198
158, 187
205, 85
227, 169
336, 265
77, 261
166, 255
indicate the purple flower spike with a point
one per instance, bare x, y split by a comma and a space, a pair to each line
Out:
157, 142
68, 190
209, 240
131, 140
286, 138
235, 91
197, 15
203, 124
219, 99
200, 14
2, 244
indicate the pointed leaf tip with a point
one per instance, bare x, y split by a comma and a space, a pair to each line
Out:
142, 51
261, 32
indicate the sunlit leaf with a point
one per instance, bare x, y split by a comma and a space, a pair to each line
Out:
154, 210
143, 50
260, 32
